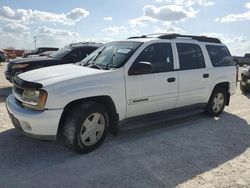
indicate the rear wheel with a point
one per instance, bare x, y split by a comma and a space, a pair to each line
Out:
85, 127
217, 102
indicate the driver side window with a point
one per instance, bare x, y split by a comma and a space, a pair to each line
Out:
160, 55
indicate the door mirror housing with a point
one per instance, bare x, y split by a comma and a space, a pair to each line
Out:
140, 68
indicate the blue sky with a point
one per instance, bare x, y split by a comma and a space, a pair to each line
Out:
57, 23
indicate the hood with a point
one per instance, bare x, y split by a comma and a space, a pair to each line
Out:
33, 60
60, 73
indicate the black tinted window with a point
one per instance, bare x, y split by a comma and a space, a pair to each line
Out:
160, 55
190, 56
219, 56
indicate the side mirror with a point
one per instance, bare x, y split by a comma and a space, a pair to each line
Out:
140, 68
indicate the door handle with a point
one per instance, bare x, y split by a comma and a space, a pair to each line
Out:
205, 75
171, 79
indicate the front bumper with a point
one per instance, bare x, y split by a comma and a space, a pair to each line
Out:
8, 76
36, 124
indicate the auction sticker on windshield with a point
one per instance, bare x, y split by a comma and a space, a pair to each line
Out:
123, 50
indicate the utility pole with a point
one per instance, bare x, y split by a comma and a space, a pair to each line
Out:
35, 40
75, 32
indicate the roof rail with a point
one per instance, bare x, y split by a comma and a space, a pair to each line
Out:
198, 38
174, 36
147, 36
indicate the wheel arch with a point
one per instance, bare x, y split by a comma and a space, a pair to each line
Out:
224, 85
106, 101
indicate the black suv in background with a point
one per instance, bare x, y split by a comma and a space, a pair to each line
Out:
69, 54
39, 51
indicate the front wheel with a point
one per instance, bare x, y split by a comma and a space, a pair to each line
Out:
85, 127
217, 102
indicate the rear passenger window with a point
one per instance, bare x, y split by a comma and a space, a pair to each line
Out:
190, 56
220, 56
160, 55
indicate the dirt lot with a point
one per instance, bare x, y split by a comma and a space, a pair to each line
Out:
196, 151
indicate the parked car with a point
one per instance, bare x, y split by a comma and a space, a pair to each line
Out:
242, 60
69, 54
39, 51
3, 57
120, 81
245, 79
48, 53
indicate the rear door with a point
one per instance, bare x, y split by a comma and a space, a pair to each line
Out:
158, 90
194, 77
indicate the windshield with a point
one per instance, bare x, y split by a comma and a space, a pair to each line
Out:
61, 53
112, 55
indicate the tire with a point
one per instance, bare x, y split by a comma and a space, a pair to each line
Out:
85, 127
217, 102
244, 89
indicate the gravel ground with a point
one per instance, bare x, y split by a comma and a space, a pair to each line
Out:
195, 151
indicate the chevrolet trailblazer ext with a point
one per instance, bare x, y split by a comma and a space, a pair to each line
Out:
121, 80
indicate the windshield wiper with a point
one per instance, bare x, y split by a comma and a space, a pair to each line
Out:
94, 58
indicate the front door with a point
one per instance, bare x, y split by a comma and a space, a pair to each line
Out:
157, 91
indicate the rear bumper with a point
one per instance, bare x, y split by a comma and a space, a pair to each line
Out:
36, 124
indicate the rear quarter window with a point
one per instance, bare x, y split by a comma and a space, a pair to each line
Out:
220, 56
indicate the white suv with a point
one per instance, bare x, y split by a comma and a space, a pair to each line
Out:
121, 80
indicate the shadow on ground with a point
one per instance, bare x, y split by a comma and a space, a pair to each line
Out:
160, 155
4, 93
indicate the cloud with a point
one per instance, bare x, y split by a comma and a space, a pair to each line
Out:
77, 14
108, 18
141, 21
55, 37
173, 11
112, 31
188, 3
16, 28
168, 13
168, 29
28, 16
236, 17
248, 5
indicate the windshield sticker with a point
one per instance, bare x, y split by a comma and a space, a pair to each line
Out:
124, 50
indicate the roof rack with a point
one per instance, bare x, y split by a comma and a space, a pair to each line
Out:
198, 38
174, 36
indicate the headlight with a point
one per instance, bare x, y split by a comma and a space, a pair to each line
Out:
19, 66
34, 99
